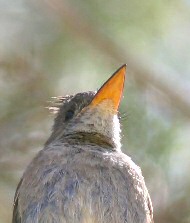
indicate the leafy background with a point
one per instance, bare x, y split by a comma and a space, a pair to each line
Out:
59, 47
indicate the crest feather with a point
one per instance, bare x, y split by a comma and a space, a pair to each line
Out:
57, 102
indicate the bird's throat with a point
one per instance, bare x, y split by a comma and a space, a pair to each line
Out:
92, 138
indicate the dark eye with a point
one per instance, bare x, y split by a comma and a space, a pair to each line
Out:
69, 114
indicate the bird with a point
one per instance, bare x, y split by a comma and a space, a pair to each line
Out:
81, 175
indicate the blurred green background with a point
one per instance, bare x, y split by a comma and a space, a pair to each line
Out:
58, 47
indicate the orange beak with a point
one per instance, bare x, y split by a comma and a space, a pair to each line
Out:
112, 89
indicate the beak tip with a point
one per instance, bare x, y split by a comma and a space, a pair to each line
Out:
121, 71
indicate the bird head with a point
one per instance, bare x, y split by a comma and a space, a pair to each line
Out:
92, 115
